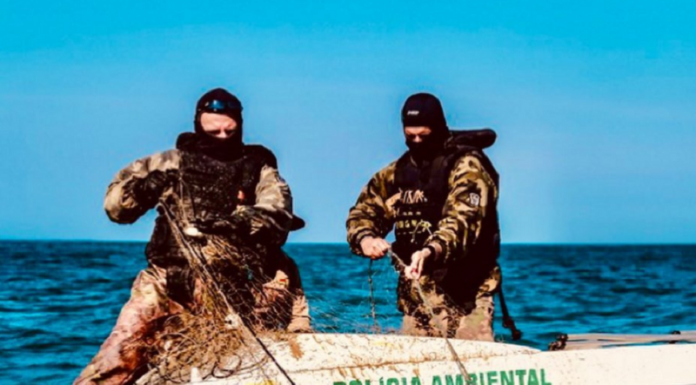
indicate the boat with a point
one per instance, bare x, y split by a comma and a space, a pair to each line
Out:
373, 359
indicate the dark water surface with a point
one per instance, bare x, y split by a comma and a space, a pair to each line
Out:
59, 300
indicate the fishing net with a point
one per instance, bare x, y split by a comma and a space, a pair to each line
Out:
246, 295
238, 294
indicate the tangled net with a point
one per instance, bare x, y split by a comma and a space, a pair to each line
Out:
236, 300
243, 294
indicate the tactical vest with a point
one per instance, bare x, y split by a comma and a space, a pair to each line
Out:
424, 189
209, 189
214, 188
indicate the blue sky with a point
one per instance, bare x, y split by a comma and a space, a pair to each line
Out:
594, 103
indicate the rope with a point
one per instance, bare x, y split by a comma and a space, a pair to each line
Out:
270, 355
372, 296
439, 325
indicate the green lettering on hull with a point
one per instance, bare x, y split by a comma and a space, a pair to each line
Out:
493, 377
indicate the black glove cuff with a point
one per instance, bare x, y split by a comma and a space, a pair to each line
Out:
433, 252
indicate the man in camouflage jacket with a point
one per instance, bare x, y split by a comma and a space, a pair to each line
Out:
259, 210
441, 198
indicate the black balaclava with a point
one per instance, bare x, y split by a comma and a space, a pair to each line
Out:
424, 109
217, 101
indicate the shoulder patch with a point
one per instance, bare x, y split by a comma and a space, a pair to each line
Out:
474, 199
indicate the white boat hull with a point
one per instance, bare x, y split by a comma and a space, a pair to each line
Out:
353, 359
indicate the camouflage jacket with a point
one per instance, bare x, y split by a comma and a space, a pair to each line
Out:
471, 192
271, 213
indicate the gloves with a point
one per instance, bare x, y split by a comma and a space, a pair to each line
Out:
148, 190
223, 226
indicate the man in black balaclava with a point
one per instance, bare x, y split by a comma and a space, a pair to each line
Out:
425, 126
215, 186
441, 198
218, 126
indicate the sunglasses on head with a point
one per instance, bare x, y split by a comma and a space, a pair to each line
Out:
218, 106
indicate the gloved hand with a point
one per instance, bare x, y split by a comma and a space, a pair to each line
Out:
223, 226
148, 190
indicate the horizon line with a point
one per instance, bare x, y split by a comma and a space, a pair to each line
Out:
46, 240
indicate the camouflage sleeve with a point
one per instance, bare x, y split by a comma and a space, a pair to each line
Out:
120, 203
271, 214
373, 213
472, 190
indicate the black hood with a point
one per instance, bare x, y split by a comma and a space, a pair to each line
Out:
217, 101
425, 110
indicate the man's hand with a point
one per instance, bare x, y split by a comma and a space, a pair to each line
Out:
418, 258
222, 226
148, 190
374, 248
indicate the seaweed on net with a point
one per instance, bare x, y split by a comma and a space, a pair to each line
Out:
217, 335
